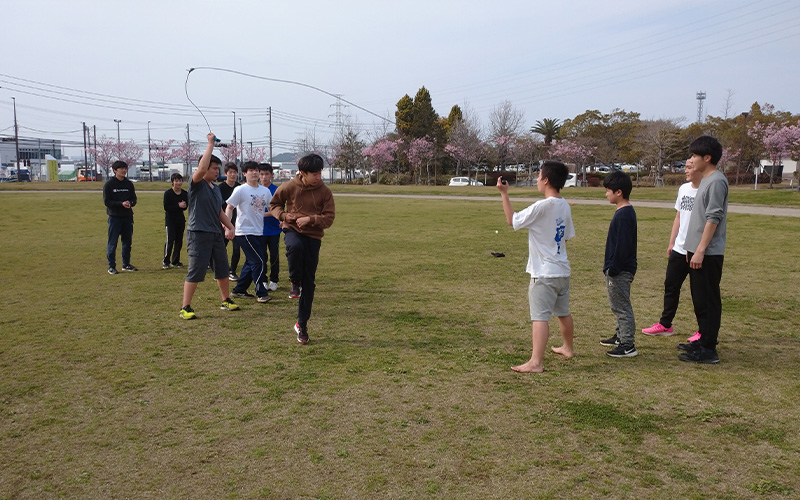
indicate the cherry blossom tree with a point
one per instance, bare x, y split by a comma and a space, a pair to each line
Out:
188, 151
573, 152
105, 153
526, 149
778, 141
230, 152
258, 155
420, 152
382, 154
163, 151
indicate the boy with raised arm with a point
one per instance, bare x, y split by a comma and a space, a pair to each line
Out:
204, 237
549, 225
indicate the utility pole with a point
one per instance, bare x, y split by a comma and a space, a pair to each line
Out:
94, 156
188, 168
234, 130
117, 122
149, 161
85, 154
270, 135
16, 133
241, 142
251, 149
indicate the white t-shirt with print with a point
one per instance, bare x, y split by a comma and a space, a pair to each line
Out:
250, 203
549, 225
684, 204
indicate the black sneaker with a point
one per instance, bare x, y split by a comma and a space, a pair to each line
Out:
112, 270
295, 292
700, 355
302, 333
623, 352
264, 299
612, 342
177, 264
129, 268
689, 347
243, 295
232, 276
164, 265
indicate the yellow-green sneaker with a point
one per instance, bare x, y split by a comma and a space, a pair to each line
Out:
187, 313
228, 305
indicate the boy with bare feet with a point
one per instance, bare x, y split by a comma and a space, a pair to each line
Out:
549, 225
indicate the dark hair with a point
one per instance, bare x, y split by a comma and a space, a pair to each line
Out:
556, 173
707, 145
249, 165
118, 164
619, 181
265, 166
213, 159
231, 166
311, 163
175, 176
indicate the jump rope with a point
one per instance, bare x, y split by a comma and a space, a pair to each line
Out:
278, 80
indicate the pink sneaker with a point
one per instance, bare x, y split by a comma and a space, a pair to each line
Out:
658, 329
694, 338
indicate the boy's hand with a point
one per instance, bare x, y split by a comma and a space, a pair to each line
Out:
697, 260
502, 186
303, 221
229, 233
182, 204
211, 138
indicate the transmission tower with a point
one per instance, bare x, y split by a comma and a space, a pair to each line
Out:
701, 96
338, 115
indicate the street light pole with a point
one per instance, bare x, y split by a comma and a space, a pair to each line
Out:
251, 150
234, 131
241, 141
149, 161
117, 122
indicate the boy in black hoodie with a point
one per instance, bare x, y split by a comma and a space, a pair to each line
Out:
119, 196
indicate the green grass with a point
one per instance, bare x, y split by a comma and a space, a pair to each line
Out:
781, 196
405, 389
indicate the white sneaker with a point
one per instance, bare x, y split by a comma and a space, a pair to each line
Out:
272, 286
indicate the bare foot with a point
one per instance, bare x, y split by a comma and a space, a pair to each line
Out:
529, 367
563, 351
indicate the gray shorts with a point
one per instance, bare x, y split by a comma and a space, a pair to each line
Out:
204, 247
548, 297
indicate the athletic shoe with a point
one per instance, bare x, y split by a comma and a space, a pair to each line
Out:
695, 337
272, 286
294, 293
129, 268
302, 333
691, 346
612, 342
243, 295
164, 266
263, 299
177, 264
187, 313
233, 277
623, 352
112, 270
702, 355
658, 329
228, 305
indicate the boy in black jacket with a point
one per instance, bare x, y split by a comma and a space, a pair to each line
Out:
119, 196
176, 200
620, 264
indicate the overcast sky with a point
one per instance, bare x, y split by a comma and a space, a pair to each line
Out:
71, 61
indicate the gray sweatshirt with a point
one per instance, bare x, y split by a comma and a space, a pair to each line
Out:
710, 205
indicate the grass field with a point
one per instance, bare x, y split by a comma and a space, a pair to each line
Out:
405, 389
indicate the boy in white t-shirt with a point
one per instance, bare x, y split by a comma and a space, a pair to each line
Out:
250, 200
677, 265
549, 225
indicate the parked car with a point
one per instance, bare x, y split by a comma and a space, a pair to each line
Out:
464, 181
572, 181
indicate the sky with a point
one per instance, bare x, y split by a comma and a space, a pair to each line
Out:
89, 61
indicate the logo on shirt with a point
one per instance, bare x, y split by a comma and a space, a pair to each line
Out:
687, 203
560, 230
259, 203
